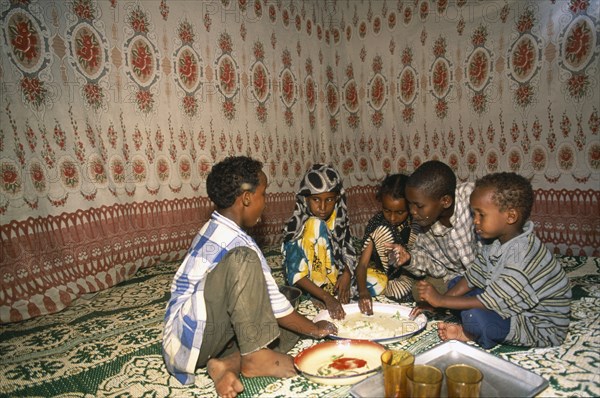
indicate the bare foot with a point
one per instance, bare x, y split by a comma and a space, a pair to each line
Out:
267, 362
224, 373
452, 331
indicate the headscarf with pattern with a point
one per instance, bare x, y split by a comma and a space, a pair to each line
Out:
321, 178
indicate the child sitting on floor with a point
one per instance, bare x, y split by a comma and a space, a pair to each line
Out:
317, 249
515, 292
446, 242
389, 226
225, 307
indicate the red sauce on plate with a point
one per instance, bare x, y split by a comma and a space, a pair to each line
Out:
347, 363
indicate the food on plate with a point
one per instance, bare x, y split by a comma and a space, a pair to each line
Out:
339, 362
338, 365
389, 323
380, 325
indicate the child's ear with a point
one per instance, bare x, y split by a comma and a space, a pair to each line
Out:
446, 201
512, 216
246, 198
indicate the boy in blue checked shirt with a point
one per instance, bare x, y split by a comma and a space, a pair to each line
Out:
515, 292
226, 310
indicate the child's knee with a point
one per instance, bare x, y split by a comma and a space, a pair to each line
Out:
485, 327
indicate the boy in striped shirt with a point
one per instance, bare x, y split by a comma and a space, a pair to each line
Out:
515, 292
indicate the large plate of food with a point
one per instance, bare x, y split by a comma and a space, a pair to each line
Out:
340, 362
388, 324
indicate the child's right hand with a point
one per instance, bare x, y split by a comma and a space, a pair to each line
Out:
419, 309
398, 254
428, 294
365, 304
336, 311
324, 329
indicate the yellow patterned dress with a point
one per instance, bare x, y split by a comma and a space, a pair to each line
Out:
310, 256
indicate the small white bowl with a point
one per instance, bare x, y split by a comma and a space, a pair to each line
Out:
340, 362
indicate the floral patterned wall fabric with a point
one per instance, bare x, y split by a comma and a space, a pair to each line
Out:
112, 113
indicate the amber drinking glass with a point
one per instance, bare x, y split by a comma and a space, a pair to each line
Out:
463, 381
395, 364
424, 381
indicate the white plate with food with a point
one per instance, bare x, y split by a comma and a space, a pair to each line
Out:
340, 362
388, 324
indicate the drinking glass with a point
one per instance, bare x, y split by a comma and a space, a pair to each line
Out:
424, 381
463, 381
395, 364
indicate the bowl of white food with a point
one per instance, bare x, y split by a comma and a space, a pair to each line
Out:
389, 323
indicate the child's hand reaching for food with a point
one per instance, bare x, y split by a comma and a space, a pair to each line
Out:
336, 311
365, 303
325, 328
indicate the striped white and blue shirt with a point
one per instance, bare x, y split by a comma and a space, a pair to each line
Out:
185, 317
523, 281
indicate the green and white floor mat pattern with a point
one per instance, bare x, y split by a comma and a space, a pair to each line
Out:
108, 344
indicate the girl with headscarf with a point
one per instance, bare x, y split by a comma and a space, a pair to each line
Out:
318, 254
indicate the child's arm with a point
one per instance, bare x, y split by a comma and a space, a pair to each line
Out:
336, 311
459, 289
342, 286
454, 302
365, 302
300, 324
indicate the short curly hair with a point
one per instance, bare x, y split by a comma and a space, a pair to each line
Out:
393, 185
229, 178
436, 179
511, 191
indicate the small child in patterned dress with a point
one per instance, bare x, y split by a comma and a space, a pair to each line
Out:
392, 225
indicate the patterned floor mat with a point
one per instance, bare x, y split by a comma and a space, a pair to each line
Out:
108, 344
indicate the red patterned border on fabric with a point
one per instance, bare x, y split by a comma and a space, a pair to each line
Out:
362, 205
48, 262
568, 221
